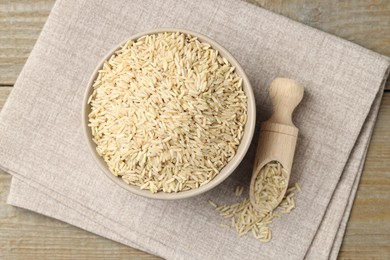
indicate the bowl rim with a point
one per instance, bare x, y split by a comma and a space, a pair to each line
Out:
229, 167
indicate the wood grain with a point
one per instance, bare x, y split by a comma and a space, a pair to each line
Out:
21, 22
366, 23
27, 235
368, 232
4, 92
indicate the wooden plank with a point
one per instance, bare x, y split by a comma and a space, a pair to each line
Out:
4, 92
363, 22
21, 22
368, 231
27, 235
366, 23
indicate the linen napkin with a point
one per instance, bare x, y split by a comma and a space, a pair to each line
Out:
43, 147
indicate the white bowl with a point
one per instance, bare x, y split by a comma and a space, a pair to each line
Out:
225, 172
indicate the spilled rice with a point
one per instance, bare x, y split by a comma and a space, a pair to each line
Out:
167, 112
239, 190
270, 183
245, 219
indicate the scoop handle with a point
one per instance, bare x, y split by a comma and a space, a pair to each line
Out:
285, 94
278, 135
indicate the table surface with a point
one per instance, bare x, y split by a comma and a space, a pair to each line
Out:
27, 235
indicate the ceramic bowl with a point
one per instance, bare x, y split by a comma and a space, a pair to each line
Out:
225, 172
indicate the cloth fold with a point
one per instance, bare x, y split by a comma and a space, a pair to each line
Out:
43, 147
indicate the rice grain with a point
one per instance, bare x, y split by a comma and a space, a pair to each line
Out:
167, 112
244, 218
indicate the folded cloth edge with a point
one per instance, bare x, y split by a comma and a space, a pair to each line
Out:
282, 16
359, 152
15, 198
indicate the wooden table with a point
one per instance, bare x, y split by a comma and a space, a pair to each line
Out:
27, 235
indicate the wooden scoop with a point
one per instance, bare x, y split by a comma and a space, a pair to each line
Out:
278, 135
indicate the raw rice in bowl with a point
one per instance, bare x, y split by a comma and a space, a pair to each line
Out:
169, 114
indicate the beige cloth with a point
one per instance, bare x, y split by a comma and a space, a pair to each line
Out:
43, 147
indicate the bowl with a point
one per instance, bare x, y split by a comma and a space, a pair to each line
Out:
229, 167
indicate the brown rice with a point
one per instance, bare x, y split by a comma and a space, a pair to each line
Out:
245, 218
167, 112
